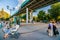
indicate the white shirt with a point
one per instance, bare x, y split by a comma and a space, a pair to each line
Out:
51, 29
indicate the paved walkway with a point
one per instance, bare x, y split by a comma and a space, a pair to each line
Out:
31, 27
31, 32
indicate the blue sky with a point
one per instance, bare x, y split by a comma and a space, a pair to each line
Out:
16, 4
11, 4
44, 9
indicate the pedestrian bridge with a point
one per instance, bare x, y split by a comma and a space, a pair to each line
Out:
31, 5
35, 4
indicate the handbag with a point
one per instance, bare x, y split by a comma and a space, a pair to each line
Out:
57, 31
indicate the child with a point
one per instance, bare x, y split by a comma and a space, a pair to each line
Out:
7, 32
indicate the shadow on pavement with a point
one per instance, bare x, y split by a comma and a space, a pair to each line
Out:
16, 36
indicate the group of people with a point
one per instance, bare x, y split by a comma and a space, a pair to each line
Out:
3, 24
7, 26
52, 28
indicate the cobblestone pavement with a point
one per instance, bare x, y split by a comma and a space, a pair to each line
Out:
31, 32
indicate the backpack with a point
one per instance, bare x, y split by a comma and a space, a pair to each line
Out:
49, 26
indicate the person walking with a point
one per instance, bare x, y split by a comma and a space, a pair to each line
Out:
0, 25
18, 22
55, 30
50, 28
6, 32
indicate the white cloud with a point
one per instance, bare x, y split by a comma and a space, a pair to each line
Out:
19, 4
20, 1
7, 11
17, 7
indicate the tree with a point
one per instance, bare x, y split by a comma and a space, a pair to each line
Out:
35, 18
24, 17
41, 15
55, 10
47, 16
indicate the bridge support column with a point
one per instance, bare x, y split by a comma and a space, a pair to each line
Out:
26, 15
31, 16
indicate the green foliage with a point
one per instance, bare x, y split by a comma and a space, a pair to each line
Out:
55, 10
41, 15
24, 17
35, 18
7, 19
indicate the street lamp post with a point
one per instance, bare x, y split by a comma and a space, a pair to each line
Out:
10, 9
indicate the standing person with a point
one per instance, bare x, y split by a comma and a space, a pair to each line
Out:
55, 30
0, 25
18, 22
11, 22
7, 24
4, 24
50, 28
7, 32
